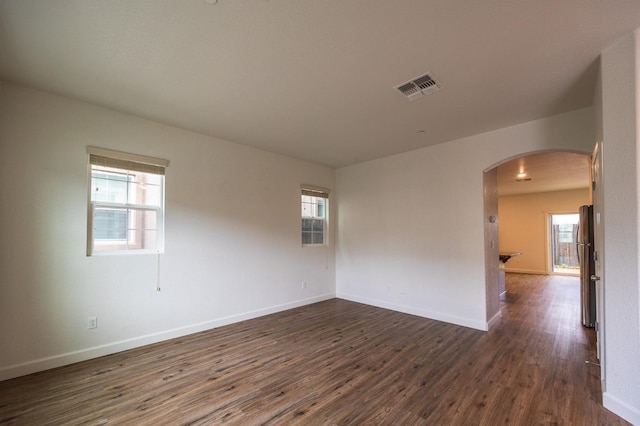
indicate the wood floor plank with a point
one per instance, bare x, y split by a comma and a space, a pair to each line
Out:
341, 363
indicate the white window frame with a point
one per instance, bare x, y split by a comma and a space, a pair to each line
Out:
127, 163
318, 192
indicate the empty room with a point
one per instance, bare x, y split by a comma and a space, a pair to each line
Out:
270, 212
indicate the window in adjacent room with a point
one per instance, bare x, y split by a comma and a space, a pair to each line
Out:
126, 202
315, 208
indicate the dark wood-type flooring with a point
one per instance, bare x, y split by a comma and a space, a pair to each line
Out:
339, 362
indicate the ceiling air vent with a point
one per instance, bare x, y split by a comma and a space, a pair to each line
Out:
418, 87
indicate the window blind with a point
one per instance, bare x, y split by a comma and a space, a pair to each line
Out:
314, 191
123, 160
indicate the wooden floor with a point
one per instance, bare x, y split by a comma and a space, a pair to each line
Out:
339, 362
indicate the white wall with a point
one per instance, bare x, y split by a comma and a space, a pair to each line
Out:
410, 226
233, 246
524, 226
620, 86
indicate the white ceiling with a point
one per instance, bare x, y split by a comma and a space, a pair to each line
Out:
551, 171
314, 79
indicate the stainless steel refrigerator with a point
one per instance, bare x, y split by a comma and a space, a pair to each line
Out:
587, 266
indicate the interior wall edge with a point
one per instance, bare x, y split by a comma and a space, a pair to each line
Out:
624, 410
437, 316
494, 320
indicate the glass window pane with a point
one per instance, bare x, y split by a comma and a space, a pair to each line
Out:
109, 187
142, 229
318, 225
307, 225
120, 186
306, 238
142, 239
110, 224
142, 219
125, 229
317, 238
307, 206
314, 210
145, 189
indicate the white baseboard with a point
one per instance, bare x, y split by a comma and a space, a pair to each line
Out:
526, 271
60, 360
465, 322
494, 320
621, 408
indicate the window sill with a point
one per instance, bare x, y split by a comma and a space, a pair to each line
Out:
122, 252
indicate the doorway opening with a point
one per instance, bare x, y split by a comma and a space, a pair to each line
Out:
523, 190
563, 237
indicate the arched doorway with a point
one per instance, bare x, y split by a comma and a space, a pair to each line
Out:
520, 193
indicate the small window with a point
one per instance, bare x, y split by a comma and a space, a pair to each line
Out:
126, 202
315, 207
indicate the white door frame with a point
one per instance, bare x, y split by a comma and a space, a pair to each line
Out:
598, 231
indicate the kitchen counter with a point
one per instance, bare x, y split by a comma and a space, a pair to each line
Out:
504, 258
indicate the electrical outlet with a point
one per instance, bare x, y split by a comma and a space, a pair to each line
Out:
304, 284
92, 322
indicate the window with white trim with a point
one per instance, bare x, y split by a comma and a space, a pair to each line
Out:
126, 202
315, 209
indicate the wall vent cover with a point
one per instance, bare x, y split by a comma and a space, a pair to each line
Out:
418, 87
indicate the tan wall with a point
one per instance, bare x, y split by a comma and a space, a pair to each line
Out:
523, 226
